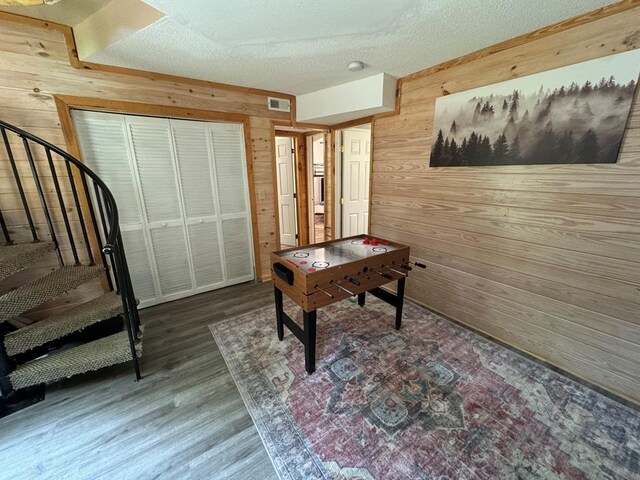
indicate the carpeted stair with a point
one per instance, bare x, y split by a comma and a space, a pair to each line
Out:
62, 324
35, 293
101, 332
84, 358
46, 333
14, 258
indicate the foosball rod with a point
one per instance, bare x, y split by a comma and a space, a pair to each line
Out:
324, 291
396, 271
342, 288
385, 275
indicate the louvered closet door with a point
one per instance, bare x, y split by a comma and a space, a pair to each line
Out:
182, 193
230, 173
152, 147
195, 171
104, 146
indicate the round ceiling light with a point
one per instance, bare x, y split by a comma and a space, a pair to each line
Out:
356, 66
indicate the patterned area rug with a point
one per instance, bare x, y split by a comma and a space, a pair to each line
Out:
431, 401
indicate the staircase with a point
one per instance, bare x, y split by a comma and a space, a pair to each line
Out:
78, 242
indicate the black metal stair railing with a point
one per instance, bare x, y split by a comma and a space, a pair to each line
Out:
102, 222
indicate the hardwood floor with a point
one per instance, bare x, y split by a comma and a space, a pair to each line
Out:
318, 225
185, 419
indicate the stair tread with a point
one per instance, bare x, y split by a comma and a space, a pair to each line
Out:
35, 293
14, 258
88, 357
57, 326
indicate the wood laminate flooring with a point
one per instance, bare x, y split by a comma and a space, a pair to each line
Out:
185, 419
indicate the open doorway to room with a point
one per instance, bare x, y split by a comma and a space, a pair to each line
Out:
352, 177
316, 161
299, 162
286, 192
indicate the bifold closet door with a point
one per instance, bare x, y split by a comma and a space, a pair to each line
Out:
104, 143
235, 216
181, 188
195, 169
153, 156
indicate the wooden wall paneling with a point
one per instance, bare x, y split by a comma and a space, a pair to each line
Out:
274, 179
246, 128
510, 330
573, 289
266, 211
32, 75
329, 184
73, 147
372, 157
302, 189
542, 257
63, 35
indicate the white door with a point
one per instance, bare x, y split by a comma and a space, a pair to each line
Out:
355, 181
182, 193
153, 162
286, 190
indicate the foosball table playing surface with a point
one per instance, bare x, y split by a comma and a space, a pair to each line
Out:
318, 275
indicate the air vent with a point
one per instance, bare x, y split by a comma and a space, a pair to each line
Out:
279, 104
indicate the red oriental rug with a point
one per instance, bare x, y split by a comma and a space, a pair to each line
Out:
431, 401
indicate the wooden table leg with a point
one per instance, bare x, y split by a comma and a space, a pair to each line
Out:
309, 341
279, 313
399, 302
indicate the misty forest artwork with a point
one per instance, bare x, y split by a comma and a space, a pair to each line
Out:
574, 114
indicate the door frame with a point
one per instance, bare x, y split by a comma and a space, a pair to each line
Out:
311, 181
278, 129
299, 150
66, 103
337, 160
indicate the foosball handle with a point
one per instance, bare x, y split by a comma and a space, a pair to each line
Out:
353, 280
386, 275
406, 267
419, 265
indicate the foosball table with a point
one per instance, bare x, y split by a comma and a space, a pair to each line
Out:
324, 273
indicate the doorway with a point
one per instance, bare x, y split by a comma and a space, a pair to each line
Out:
353, 171
299, 156
316, 163
287, 195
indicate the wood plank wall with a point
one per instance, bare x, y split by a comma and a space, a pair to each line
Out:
34, 66
545, 258
329, 183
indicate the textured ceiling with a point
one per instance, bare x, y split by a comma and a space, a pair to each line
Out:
67, 12
299, 46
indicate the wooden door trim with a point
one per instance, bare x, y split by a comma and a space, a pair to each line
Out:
353, 123
65, 103
302, 188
